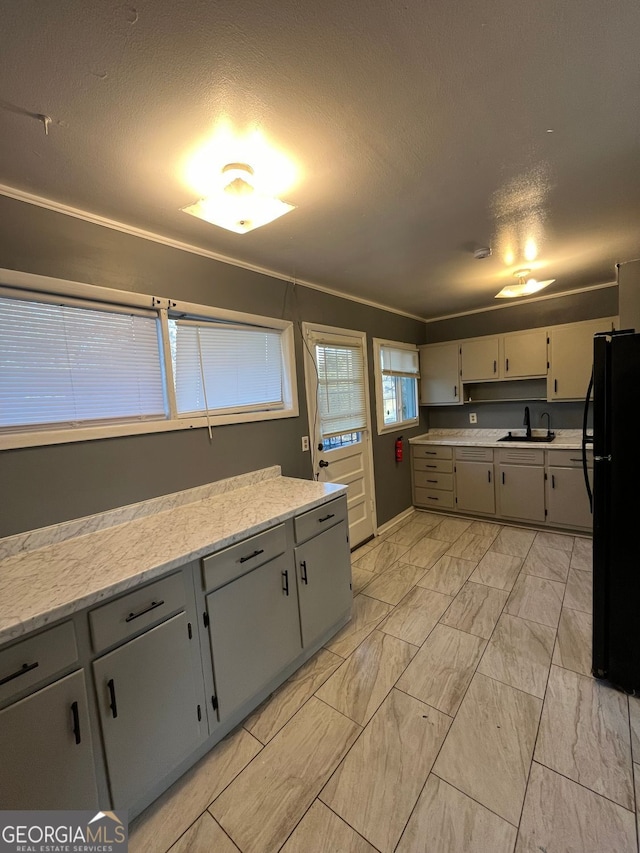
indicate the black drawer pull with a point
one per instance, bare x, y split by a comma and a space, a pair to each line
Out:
326, 517
429, 497
152, 606
251, 556
26, 667
432, 481
76, 721
303, 571
430, 466
431, 453
572, 459
285, 578
112, 696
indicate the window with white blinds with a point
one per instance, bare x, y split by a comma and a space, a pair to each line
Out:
397, 371
68, 365
220, 368
341, 388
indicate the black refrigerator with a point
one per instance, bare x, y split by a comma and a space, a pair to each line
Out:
616, 508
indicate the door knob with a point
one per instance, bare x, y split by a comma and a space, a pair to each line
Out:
323, 464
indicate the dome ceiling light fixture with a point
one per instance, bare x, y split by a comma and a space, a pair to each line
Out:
524, 287
237, 205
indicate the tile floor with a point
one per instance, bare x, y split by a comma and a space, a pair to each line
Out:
454, 714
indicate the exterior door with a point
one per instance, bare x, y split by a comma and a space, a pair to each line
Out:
340, 421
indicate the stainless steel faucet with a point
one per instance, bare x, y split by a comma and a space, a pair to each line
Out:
527, 421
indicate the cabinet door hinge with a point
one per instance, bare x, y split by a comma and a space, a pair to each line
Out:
214, 702
189, 631
199, 713
205, 619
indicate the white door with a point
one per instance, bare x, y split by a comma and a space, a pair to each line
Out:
340, 420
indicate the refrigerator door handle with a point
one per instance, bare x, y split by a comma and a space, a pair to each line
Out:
585, 439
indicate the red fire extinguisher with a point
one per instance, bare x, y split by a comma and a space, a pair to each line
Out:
399, 449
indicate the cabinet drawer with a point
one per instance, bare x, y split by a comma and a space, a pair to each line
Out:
429, 498
474, 454
237, 560
321, 518
431, 451
131, 613
520, 456
569, 458
426, 480
37, 658
442, 466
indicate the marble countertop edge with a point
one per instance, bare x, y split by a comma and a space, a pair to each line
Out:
566, 439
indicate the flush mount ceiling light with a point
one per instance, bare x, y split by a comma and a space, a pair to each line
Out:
237, 205
524, 287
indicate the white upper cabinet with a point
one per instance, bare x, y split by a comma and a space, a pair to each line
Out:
440, 375
480, 359
571, 357
524, 354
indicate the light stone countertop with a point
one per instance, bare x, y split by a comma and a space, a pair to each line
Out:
566, 439
61, 576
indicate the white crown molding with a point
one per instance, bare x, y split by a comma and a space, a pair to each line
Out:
132, 230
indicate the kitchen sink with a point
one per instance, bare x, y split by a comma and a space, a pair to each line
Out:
547, 437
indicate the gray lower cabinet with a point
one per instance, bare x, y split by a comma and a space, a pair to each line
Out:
567, 501
474, 480
47, 753
324, 581
149, 706
255, 631
521, 492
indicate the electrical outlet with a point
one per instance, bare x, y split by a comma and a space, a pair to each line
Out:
473, 418
305, 442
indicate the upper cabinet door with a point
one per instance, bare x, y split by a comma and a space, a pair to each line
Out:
525, 354
440, 375
571, 357
480, 359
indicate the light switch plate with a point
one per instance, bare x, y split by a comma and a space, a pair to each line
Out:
305, 442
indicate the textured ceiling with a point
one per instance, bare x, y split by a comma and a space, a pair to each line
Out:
419, 131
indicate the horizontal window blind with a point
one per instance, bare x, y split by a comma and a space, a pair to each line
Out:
397, 361
222, 368
341, 397
62, 364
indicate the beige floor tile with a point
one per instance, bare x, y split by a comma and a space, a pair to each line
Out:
476, 609
266, 801
573, 645
485, 528
447, 821
409, 534
582, 554
158, 827
361, 550
381, 557
441, 671
360, 578
519, 654
205, 836
416, 615
634, 715
429, 519
536, 599
497, 570
547, 562
322, 831
514, 540
470, 546
554, 540
378, 783
426, 552
359, 687
562, 817
271, 716
366, 613
448, 575
579, 595
449, 529
584, 734
487, 753
392, 586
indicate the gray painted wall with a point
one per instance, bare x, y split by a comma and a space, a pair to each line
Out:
60, 482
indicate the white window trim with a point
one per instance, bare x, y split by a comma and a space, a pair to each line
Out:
383, 428
29, 285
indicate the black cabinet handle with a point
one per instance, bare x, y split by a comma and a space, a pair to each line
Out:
430, 466
76, 721
326, 517
112, 696
432, 481
285, 579
507, 365
152, 606
495, 366
455, 391
26, 667
251, 556
555, 384
303, 571
489, 474
430, 452
503, 478
430, 498
553, 481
